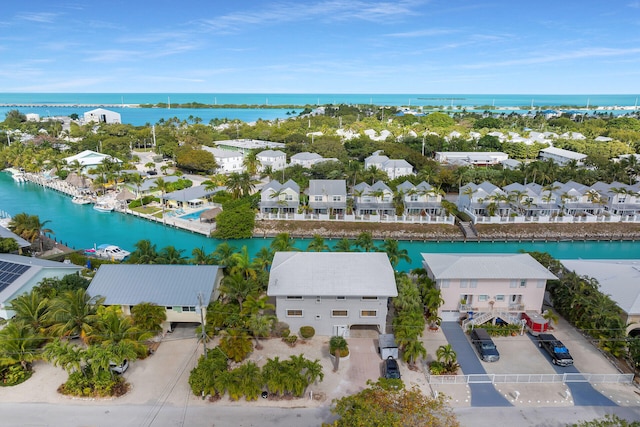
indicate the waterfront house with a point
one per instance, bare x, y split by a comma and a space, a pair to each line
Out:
577, 199
619, 280
422, 199
306, 159
562, 156
100, 115
191, 197
183, 290
89, 159
228, 161
332, 291
487, 286
484, 199
532, 200
280, 198
274, 159
619, 199
376, 199
394, 168
328, 196
20, 274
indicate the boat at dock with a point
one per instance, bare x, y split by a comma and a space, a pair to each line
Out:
81, 200
103, 207
107, 251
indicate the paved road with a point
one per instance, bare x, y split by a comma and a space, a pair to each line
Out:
481, 394
583, 392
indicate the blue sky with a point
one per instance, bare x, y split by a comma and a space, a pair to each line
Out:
321, 46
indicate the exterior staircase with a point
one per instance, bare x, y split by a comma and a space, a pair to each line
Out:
468, 229
482, 318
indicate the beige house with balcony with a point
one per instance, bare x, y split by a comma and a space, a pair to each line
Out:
487, 286
183, 290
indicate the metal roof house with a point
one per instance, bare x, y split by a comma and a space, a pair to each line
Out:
100, 115
328, 196
561, 156
183, 290
332, 291
280, 198
486, 286
89, 159
20, 274
620, 279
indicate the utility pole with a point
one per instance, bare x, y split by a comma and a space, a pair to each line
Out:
203, 335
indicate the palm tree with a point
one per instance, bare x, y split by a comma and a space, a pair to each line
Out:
19, 343
243, 265
240, 184
395, 254
144, 253
135, 179
283, 243
171, 255
73, 313
200, 257
29, 227
343, 245
260, 326
236, 288
64, 354
263, 258
255, 304
148, 317
251, 163
162, 186
112, 329
236, 344
365, 241
412, 351
447, 355
223, 255
31, 309
317, 244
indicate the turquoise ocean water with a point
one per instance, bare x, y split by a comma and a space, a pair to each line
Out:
59, 104
80, 226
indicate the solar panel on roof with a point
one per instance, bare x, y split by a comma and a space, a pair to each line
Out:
10, 272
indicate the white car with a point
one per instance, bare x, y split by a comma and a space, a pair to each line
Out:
119, 369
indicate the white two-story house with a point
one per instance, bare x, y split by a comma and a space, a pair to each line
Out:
394, 168
332, 291
422, 199
488, 285
306, 159
275, 159
328, 196
376, 199
280, 198
228, 161
484, 199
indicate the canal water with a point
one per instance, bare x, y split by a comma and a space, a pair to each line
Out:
80, 227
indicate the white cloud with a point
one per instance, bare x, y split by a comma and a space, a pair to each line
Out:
41, 17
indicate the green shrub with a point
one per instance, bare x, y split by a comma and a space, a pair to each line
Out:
14, 375
291, 340
307, 332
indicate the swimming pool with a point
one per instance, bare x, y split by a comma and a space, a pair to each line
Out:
193, 215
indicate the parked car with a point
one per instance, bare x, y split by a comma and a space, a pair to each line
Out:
119, 369
152, 172
559, 353
390, 368
484, 345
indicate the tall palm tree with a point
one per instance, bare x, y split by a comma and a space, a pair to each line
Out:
135, 179
200, 257
171, 255
413, 350
395, 254
223, 255
260, 326
162, 186
243, 265
283, 243
148, 317
236, 288
29, 227
317, 244
240, 184
31, 309
343, 245
447, 355
251, 163
144, 253
365, 242
264, 258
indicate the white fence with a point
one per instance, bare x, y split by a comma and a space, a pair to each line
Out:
530, 378
406, 219
545, 219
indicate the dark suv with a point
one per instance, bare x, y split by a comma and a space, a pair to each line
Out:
484, 345
390, 368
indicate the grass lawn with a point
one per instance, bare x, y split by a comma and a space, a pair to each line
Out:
147, 210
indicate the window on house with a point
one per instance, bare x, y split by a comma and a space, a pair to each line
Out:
499, 297
444, 283
294, 297
177, 309
513, 284
523, 283
368, 313
318, 300
483, 298
294, 313
288, 197
369, 298
473, 283
337, 198
414, 198
185, 308
464, 283
341, 298
317, 198
339, 313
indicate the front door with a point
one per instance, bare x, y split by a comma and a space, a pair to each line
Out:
339, 330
